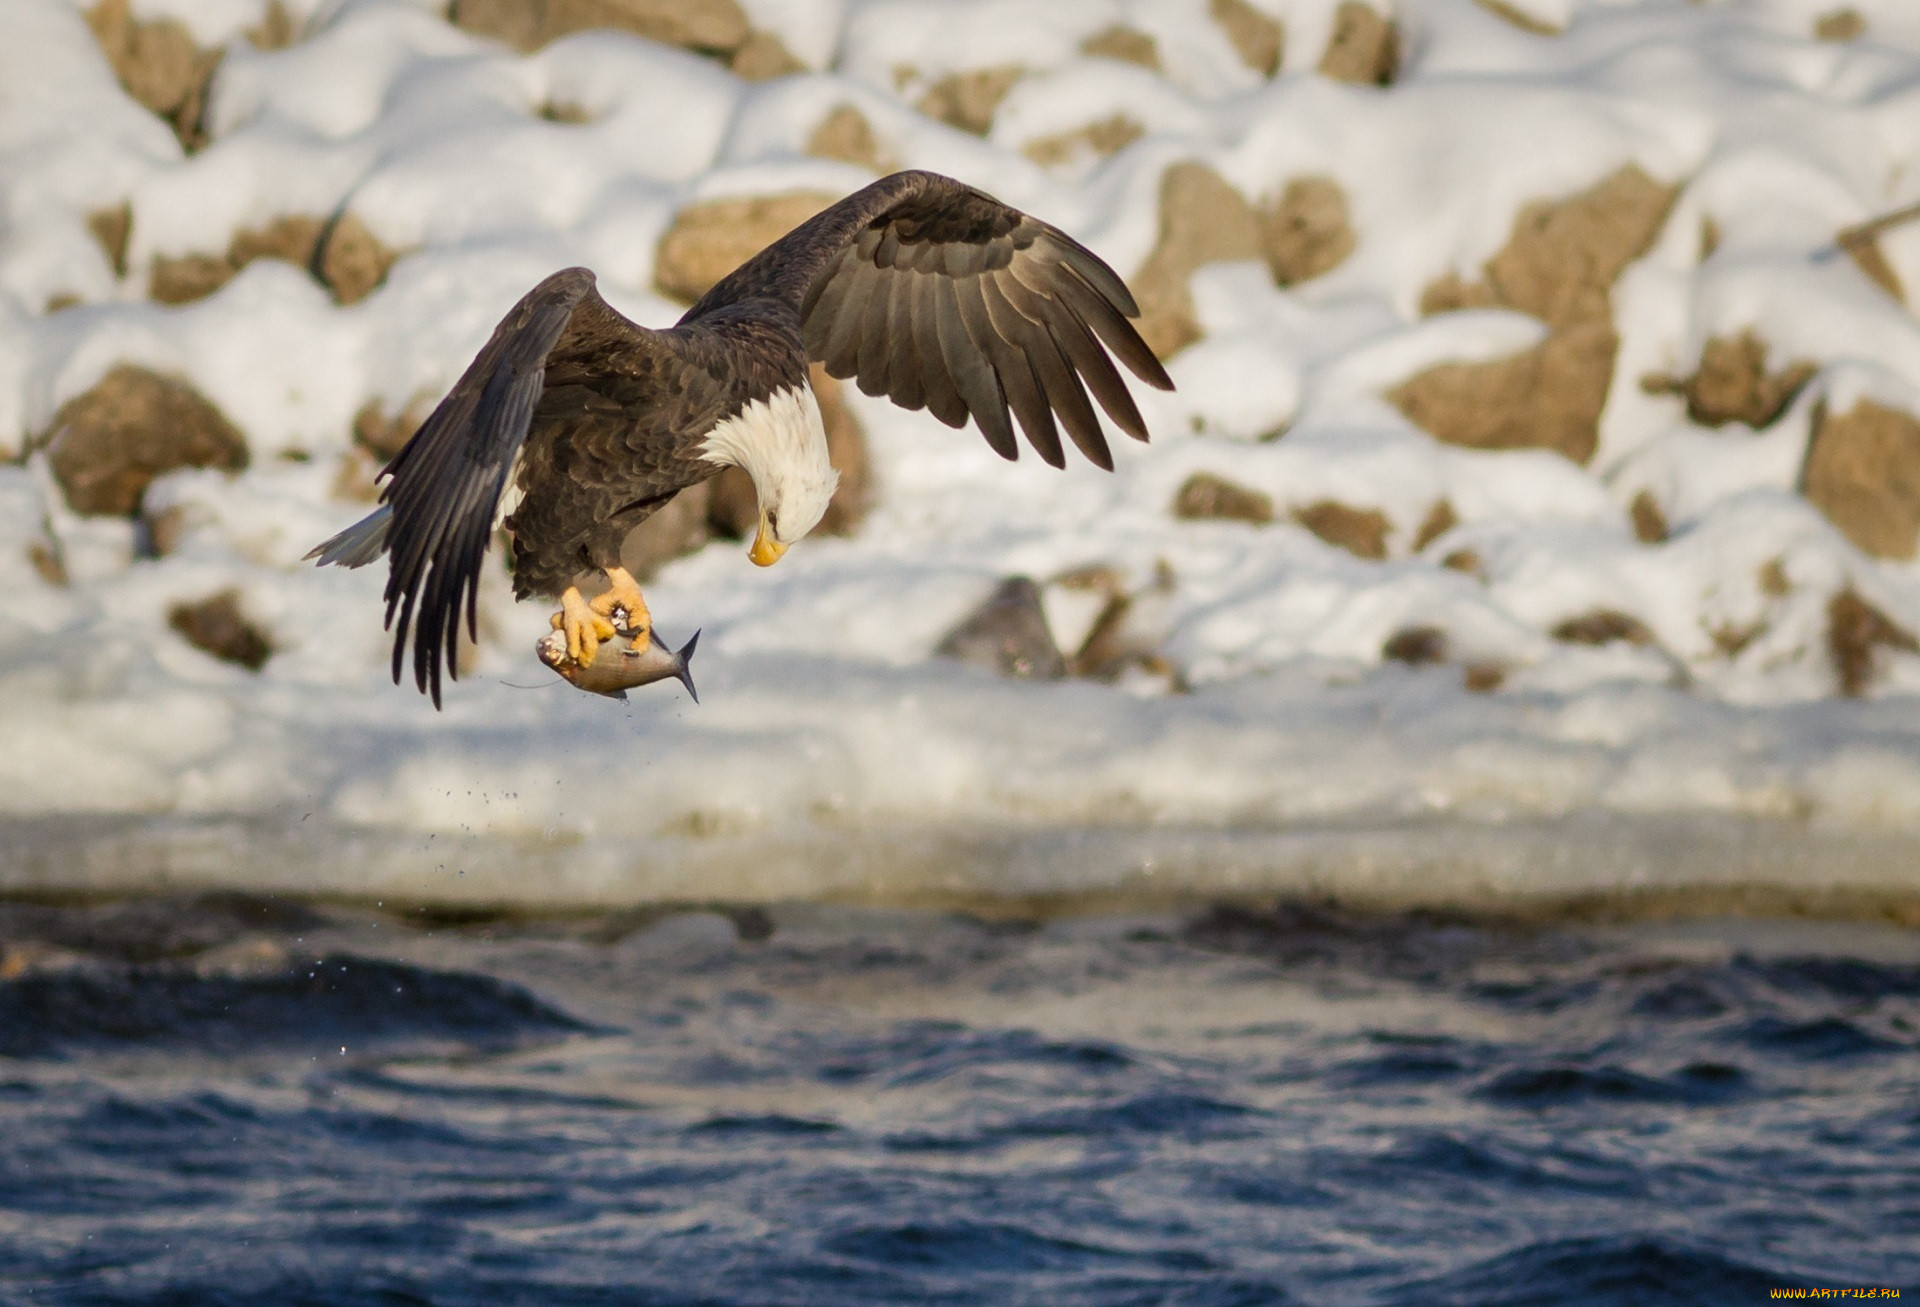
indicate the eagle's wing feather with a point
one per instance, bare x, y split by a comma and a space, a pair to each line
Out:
908, 309
443, 489
991, 413
941, 376
941, 297
1020, 378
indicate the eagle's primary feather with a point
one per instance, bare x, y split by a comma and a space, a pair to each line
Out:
917, 287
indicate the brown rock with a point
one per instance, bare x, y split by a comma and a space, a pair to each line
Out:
1772, 578
520, 23
165, 530
355, 479
112, 227
342, 253
710, 238
1101, 579
377, 437
1731, 639
1113, 645
291, 239
713, 27
1364, 47
159, 65
352, 262
1360, 531
45, 557
108, 444
217, 625
181, 279
1868, 257
1009, 634
565, 112
1563, 256
845, 134
1649, 523
1440, 519
1483, 678
1260, 41
1559, 265
1856, 632
1861, 241
1416, 646
1125, 44
1840, 25
1603, 626
276, 30
1107, 653
1305, 232
1107, 137
1547, 397
1519, 18
1863, 472
1205, 496
763, 57
1464, 560
1203, 220
1732, 383
968, 100
1709, 237
384, 436
1448, 293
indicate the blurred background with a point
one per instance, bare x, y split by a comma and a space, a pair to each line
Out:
1436, 825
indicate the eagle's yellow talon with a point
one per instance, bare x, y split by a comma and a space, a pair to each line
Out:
623, 596
585, 628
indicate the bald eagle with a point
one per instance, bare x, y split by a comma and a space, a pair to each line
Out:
573, 424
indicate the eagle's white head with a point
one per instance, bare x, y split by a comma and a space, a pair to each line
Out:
782, 444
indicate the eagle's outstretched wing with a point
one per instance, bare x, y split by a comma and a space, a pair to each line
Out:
941, 297
919, 287
443, 488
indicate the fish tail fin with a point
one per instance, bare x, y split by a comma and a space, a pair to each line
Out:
683, 669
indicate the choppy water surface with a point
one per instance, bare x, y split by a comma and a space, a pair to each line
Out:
225, 1101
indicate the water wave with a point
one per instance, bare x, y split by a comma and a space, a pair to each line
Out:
225, 1101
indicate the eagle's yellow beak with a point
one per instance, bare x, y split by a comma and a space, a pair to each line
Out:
766, 550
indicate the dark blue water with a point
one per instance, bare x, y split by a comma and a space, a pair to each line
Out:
227, 1101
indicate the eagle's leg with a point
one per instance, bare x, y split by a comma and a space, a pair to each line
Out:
623, 596
584, 627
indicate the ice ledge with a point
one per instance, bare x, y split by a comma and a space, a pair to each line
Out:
1586, 863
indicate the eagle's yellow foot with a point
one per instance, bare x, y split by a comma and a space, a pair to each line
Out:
585, 628
623, 604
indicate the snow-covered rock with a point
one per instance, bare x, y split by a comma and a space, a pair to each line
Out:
1413, 636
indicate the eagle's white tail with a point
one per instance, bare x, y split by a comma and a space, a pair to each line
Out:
360, 543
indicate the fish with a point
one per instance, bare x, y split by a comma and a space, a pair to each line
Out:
621, 665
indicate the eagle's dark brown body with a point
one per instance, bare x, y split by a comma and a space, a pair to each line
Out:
618, 430
917, 287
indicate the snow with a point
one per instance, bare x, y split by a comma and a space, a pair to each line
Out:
831, 753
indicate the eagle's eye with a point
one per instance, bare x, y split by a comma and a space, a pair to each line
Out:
773, 522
